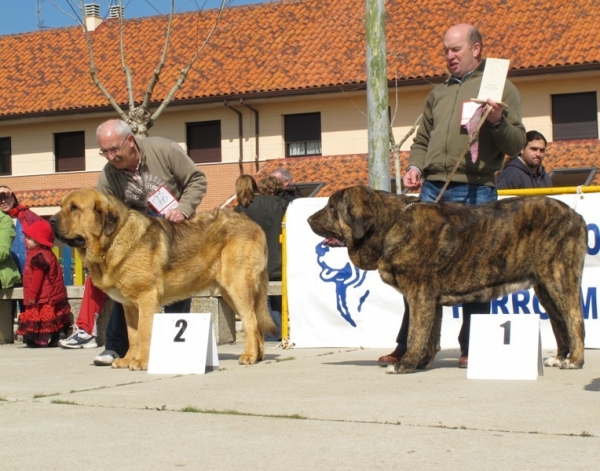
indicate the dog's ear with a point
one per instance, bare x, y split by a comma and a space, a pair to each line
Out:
108, 216
361, 224
357, 215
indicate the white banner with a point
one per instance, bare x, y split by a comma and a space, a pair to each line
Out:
334, 304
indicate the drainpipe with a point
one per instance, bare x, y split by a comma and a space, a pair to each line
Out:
241, 135
243, 103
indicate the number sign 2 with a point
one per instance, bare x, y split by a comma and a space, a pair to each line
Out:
505, 346
183, 344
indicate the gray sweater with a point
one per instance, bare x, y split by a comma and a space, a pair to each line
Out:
162, 162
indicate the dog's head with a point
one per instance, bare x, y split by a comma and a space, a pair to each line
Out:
346, 219
87, 219
359, 218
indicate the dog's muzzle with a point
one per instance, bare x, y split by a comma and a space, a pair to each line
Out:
71, 242
333, 241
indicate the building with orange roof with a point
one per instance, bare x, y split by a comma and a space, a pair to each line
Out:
283, 84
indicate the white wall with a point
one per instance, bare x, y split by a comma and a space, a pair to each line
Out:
343, 121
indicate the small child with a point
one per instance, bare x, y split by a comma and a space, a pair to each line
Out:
47, 310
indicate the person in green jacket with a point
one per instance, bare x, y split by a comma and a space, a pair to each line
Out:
9, 273
442, 141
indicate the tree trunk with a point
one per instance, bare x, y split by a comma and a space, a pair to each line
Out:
377, 97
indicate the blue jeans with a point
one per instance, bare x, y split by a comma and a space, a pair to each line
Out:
116, 329
458, 193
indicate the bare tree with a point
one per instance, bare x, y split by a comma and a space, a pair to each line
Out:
140, 118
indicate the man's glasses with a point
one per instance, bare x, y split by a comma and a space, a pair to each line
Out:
5, 197
114, 150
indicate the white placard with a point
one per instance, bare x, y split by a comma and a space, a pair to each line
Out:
505, 347
162, 200
183, 344
493, 80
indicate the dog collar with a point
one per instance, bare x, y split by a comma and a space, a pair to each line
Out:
407, 206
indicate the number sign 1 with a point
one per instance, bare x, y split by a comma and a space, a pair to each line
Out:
505, 346
183, 344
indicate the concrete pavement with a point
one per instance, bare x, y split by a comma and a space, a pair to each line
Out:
329, 408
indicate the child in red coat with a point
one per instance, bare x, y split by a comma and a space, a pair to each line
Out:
47, 310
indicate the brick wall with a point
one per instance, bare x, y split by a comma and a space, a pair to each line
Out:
221, 183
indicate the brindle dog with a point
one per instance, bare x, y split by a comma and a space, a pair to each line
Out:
441, 254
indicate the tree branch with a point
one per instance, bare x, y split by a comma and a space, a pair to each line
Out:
183, 74
156, 75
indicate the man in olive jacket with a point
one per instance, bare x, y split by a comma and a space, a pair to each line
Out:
442, 140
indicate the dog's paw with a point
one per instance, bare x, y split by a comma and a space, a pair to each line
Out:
398, 369
571, 365
246, 359
121, 363
138, 365
554, 361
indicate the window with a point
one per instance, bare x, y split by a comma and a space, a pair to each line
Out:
302, 134
308, 189
204, 141
572, 176
574, 116
69, 150
5, 156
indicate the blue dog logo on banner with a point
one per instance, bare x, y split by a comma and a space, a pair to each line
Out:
344, 278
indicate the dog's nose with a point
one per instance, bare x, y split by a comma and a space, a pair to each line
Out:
52, 220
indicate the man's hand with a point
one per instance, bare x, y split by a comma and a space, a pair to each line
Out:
174, 215
412, 179
495, 114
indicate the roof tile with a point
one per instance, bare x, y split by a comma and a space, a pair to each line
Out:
282, 46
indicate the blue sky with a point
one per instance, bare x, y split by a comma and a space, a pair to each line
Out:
20, 16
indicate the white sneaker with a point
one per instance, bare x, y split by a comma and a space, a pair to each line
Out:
106, 358
80, 339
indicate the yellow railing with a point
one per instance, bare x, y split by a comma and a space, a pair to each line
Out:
550, 191
285, 326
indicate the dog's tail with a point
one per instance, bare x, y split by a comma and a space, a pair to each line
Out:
263, 317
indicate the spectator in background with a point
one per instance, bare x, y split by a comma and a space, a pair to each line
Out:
289, 192
85, 329
267, 211
23, 217
270, 186
9, 273
47, 309
526, 169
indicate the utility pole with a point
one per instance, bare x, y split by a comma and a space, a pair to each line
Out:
377, 97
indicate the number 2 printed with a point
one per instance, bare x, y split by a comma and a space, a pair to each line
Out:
182, 324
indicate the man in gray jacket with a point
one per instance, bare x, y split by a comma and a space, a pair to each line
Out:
152, 175
442, 140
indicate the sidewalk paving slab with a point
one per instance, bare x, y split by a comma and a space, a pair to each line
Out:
326, 408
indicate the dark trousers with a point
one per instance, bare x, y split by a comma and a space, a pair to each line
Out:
459, 193
116, 330
463, 336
